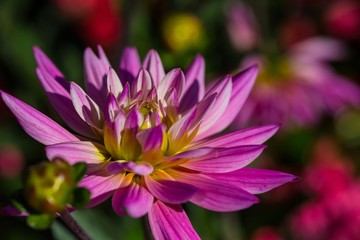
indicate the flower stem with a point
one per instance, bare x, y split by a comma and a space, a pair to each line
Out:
146, 228
74, 226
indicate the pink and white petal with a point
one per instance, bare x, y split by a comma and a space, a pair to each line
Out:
248, 136
223, 160
60, 99
142, 83
81, 151
102, 56
241, 87
214, 195
170, 191
153, 64
196, 73
173, 79
134, 199
87, 109
223, 89
253, 180
151, 138
170, 222
36, 124
101, 185
114, 85
134, 119
95, 77
130, 65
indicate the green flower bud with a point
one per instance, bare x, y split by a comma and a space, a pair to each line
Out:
49, 186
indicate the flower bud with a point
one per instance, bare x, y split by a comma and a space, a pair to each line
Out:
49, 186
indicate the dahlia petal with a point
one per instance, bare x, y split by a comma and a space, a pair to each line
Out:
81, 151
194, 153
36, 124
213, 195
170, 191
196, 73
254, 181
241, 87
101, 186
190, 98
95, 77
129, 65
134, 199
223, 160
102, 56
150, 138
248, 136
142, 83
142, 168
60, 99
87, 109
223, 89
170, 222
114, 85
134, 119
153, 64
46, 65
173, 79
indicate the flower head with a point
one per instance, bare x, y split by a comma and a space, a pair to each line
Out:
147, 137
298, 88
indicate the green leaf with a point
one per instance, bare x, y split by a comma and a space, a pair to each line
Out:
40, 221
81, 197
79, 170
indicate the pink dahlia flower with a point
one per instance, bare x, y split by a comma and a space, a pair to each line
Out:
298, 88
147, 137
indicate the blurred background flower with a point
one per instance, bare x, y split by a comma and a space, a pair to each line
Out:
309, 50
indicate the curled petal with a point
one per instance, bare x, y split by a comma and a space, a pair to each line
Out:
151, 138
36, 124
114, 85
142, 168
170, 222
87, 109
142, 83
196, 73
134, 199
174, 79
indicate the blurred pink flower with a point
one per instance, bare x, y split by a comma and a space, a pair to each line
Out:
342, 19
299, 87
11, 161
266, 233
149, 140
242, 27
334, 211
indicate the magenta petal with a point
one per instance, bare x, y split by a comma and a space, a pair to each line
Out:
60, 99
134, 199
214, 195
170, 222
129, 65
248, 136
254, 181
196, 73
241, 87
225, 159
141, 169
36, 124
101, 185
73, 152
170, 191
95, 77
12, 211
151, 138
153, 64
114, 85
142, 83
